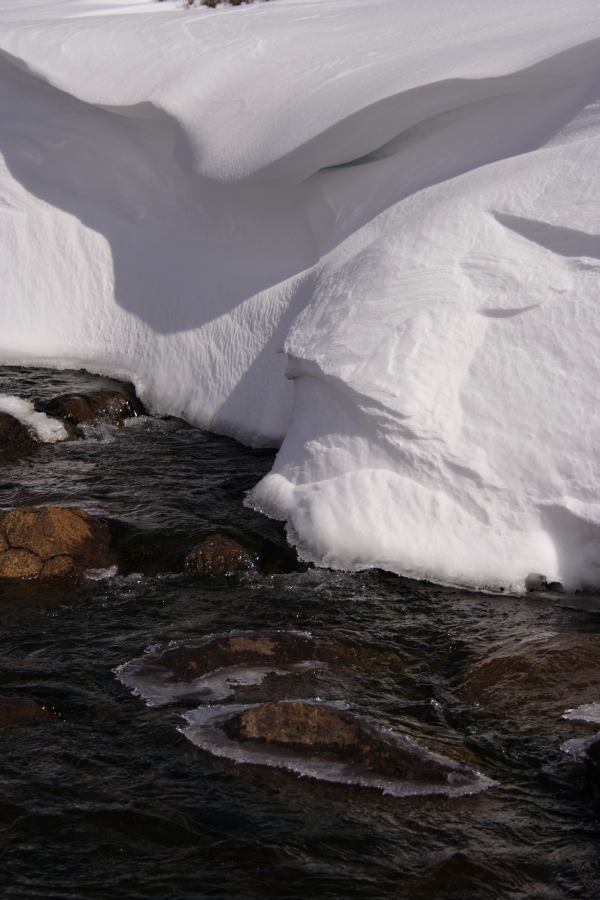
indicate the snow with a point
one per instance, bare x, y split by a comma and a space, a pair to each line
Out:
43, 427
363, 230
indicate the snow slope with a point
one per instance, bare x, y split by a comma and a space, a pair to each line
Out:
394, 203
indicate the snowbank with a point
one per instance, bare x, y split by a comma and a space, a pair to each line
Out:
392, 203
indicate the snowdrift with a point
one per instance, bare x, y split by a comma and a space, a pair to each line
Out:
364, 230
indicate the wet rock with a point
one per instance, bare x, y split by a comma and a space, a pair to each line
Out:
58, 567
15, 438
536, 582
15, 711
215, 554
537, 678
324, 732
251, 667
278, 649
19, 564
51, 542
218, 555
110, 407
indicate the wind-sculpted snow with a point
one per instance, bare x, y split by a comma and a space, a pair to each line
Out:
395, 204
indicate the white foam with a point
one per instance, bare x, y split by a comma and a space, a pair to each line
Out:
43, 427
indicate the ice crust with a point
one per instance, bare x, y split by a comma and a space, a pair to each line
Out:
394, 204
204, 729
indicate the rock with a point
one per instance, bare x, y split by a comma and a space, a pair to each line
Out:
277, 649
15, 438
19, 564
537, 678
51, 542
110, 407
326, 733
15, 711
252, 667
58, 567
218, 555
536, 582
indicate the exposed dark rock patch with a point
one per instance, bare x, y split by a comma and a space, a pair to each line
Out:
213, 554
279, 649
110, 407
15, 438
218, 554
326, 733
51, 542
16, 711
538, 678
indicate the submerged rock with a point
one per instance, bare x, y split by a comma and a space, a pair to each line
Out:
16, 711
278, 649
328, 743
218, 555
51, 542
249, 666
537, 678
110, 407
15, 438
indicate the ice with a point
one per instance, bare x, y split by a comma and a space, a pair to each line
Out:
589, 712
159, 681
159, 688
577, 747
365, 232
204, 729
44, 427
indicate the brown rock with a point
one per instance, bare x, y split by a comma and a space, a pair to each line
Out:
57, 531
537, 678
19, 564
218, 555
327, 733
297, 725
15, 711
107, 407
58, 567
15, 438
51, 542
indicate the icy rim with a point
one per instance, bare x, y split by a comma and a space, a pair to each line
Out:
396, 213
204, 730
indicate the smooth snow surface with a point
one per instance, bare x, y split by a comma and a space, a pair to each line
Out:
393, 202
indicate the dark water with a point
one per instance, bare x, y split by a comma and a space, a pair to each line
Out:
109, 799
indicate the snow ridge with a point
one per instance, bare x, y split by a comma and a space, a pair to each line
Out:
394, 211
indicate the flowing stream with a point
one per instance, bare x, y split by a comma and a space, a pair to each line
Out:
109, 799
